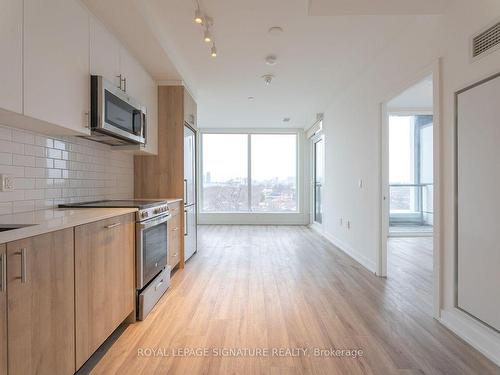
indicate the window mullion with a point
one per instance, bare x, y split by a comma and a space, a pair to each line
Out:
249, 172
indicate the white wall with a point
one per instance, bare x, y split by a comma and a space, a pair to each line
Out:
353, 121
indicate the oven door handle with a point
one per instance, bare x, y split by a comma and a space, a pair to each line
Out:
153, 222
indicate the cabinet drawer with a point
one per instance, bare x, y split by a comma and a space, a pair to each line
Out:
104, 280
175, 235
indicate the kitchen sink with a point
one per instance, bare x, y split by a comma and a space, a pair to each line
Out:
6, 227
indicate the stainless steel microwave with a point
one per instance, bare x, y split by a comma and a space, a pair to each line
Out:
115, 118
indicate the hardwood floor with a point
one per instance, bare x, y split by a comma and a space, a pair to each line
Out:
287, 287
410, 268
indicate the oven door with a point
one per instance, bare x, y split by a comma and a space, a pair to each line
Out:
151, 248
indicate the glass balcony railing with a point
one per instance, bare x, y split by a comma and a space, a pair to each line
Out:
411, 204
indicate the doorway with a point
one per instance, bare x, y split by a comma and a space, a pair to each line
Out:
408, 181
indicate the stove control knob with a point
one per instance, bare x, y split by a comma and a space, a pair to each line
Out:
144, 214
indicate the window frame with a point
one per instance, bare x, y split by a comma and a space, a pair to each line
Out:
249, 133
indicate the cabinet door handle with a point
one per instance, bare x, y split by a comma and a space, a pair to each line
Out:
114, 225
24, 265
119, 76
185, 191
125, 84
185, 223
159, 284
3, 269
175, 229
87, 120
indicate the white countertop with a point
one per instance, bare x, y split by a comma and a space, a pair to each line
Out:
44, 221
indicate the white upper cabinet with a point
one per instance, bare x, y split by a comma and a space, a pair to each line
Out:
11, 47
56, 63
141, 86
133, 74
104, 53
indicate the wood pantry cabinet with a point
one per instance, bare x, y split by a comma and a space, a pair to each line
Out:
40, 304
104, 281
3, 310
175, 235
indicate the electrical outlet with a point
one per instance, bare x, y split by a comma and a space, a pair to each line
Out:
7, 182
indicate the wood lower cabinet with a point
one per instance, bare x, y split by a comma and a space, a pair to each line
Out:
175, 235
104, 281
41, 304
3, 311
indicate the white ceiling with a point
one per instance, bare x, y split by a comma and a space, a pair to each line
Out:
419, 96
371, 7
318, 57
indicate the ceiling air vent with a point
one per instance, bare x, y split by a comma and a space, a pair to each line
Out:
486, 41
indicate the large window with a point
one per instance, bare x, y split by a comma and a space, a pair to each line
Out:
249, 172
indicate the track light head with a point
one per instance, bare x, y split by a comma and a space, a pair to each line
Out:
198, 17
207, 37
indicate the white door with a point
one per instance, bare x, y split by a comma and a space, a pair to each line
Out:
11, 45
56, 63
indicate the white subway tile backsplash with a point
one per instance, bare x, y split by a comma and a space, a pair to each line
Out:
44, 163
53, 153
23, 206
24, 183
34, 150
12, 147
23, 160
59, 145
5, 134
23, 137
5, 158
5, 208
34, 172
14, 171
34, 194
44, 141
48, 171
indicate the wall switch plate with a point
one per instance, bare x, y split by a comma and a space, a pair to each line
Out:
6, 182
348, 224
341, 221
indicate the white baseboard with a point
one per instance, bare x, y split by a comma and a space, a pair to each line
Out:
476, 334
360, 258
256, 218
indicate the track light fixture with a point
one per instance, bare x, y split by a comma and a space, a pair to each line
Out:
202, 19
207, 37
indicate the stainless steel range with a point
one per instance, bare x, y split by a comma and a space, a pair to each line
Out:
152, 271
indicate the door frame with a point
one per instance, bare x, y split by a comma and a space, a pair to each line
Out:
433, 70
312, 140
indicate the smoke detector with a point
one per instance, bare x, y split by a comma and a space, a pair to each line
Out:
268, 78
275, 30
271, 60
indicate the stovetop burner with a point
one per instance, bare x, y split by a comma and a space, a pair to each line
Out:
111, 203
